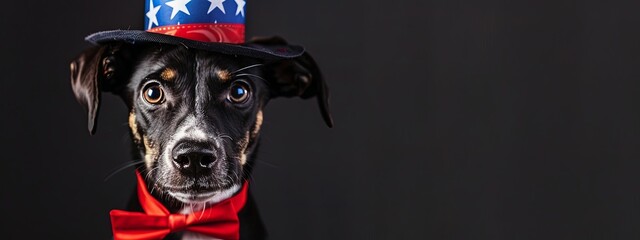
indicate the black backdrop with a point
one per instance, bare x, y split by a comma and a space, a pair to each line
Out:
454, 120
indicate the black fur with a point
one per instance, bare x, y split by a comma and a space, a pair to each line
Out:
195, 92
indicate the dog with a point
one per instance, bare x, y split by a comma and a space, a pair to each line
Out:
194, 116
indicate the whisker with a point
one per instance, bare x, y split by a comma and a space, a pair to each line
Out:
147, 178
203, 208
122, 167
245, 175
225, 136
253, 75
273, 165
245, 68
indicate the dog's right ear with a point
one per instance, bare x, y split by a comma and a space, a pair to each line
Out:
296, 77
96, 69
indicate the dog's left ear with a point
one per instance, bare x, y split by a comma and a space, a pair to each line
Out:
95, 71
297, 77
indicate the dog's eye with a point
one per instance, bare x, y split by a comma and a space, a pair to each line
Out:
153, 93
239, 92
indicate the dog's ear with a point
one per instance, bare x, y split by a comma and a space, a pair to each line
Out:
96, 69
297, 77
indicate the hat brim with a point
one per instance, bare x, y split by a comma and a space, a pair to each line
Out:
245, 49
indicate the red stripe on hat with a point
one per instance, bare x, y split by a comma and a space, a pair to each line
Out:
205, 32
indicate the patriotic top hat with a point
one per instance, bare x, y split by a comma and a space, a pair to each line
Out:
213, 25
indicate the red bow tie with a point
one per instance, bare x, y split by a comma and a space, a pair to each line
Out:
219, 220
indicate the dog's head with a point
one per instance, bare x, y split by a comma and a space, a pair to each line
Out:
195, 116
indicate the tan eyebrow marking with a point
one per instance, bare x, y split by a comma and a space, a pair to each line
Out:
223, 75
168, 74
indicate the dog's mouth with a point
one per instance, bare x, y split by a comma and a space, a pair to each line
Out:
193, 195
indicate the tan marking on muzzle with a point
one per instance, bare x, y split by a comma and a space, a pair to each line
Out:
168, 74
134, 127
223, 75
256, 127
150, 152
250, 136
244, 143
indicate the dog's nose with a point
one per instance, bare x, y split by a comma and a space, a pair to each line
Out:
192, 157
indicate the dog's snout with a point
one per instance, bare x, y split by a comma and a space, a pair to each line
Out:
192, 158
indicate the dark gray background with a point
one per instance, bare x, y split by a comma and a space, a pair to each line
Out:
454, 120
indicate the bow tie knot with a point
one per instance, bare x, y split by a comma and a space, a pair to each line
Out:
177, 222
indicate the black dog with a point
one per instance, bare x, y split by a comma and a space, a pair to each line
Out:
195, 116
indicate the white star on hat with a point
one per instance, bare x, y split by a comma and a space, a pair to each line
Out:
216, 4
178, 5
153, 11
240, 9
